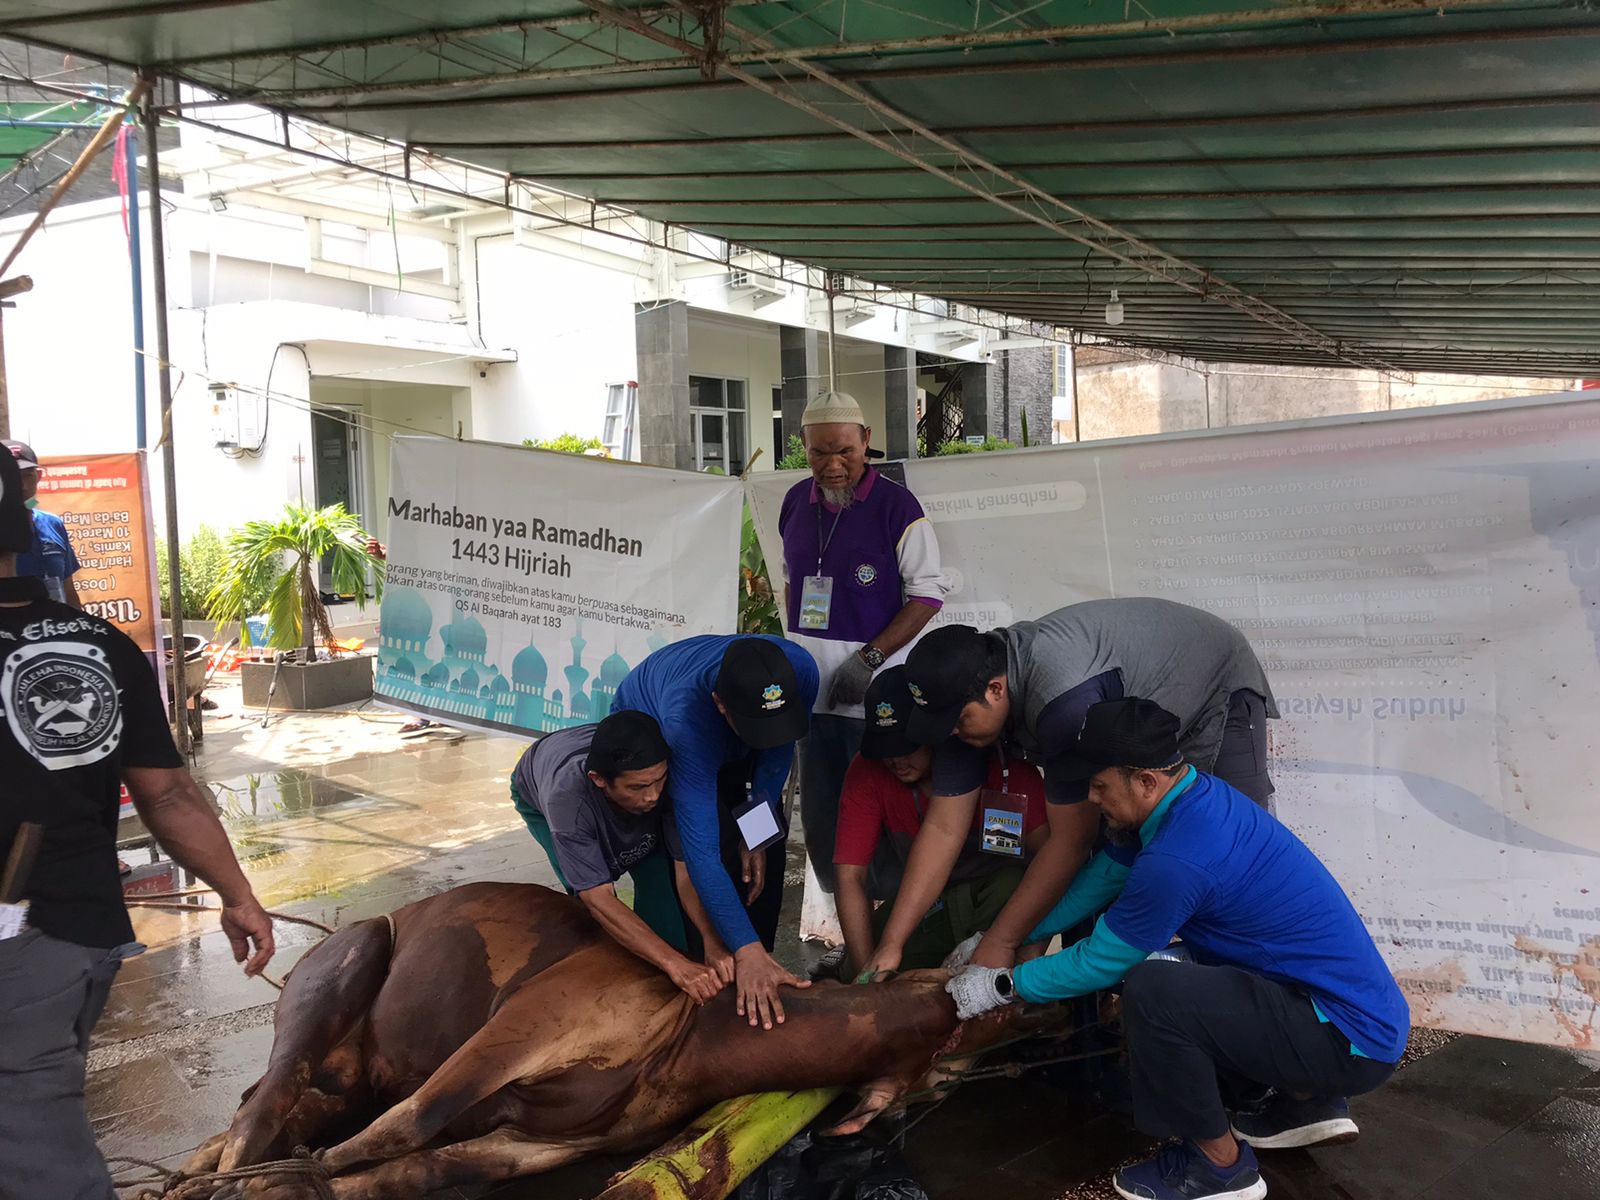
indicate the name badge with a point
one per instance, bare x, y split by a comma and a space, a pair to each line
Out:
816, 601
1002, 823
13, 920
758, 826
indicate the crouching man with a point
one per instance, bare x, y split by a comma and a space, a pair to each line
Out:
886, 794
592, 797
1286, 990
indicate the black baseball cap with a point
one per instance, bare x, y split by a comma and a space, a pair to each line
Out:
16, 522
758, 687
939, 675
1130, 732
889, 707
27, 460
626, 741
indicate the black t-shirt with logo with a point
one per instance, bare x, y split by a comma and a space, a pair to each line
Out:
79, 703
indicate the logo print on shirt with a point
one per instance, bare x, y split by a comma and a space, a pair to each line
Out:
62, 703
772, 694
866, 574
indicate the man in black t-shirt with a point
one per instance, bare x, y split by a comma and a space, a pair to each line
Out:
79, 716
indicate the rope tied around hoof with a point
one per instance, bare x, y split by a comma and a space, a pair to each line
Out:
303, 1165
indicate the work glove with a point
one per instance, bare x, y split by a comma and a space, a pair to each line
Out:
977, 990
962, 954
850, 682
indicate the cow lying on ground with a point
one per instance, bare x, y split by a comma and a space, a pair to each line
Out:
494, 1030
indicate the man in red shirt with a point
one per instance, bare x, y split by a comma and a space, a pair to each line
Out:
886, 793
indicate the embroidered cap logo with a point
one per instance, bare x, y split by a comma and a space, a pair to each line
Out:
772, 697
916, 694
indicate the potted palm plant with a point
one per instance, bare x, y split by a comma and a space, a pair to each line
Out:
285, 556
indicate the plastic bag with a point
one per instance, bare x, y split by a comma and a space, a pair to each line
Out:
856, 1167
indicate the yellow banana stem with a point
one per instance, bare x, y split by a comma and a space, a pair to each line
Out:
710, 1158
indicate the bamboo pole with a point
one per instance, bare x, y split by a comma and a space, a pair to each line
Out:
712, 1157
101, 139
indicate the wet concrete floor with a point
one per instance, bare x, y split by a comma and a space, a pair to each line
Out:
361, 833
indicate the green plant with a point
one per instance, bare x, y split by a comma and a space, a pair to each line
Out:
990, 442
287, 552
794, 455
566, 443
758, 607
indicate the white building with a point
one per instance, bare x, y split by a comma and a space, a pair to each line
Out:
316, 312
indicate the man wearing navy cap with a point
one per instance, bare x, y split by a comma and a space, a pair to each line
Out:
1029, 685
1285, 990
731, 709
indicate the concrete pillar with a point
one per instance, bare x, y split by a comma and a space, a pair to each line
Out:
661, 335
977, 383
899, 436
802, 376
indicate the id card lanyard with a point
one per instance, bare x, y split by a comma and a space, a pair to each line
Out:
1003, 812
816, 594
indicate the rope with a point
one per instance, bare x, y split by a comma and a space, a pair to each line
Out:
179, 906
302, 1166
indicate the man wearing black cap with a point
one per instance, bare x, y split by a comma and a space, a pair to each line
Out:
50, 557
731, 709
1030, 684
886, 791
592, 797
81, 716
1285, 989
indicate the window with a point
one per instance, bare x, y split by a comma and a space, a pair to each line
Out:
1063, 371
779, 447
719, 420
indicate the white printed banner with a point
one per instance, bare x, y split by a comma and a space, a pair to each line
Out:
524, 584
1424, 590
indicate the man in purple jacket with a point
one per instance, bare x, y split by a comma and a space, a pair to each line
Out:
864, 580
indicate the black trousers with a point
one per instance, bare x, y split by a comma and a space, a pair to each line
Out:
1242, 758
1202, 1039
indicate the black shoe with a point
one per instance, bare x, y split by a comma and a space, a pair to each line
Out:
1285, 1123
829, 965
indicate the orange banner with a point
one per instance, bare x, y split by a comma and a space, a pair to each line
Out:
104, 501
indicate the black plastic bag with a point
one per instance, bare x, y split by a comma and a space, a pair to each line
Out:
855, 1167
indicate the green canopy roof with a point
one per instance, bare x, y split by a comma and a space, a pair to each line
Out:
1373, 182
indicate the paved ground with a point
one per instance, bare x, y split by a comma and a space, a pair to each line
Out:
337, 819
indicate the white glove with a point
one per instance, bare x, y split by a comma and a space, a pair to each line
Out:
962, 954
850, 682
978, 989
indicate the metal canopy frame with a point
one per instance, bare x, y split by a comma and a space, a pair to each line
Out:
1378, 183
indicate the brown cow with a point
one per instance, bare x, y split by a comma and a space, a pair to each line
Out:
494, 1030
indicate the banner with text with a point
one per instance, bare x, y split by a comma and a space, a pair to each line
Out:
523, 585
104, 501
1424, 590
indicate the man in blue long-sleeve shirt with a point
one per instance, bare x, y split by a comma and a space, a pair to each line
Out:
731, 709
1285, 989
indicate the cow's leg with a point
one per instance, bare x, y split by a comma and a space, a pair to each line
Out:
536, 1033
327, 994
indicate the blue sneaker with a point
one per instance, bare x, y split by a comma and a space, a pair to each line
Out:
1285, 1123
1179, 1171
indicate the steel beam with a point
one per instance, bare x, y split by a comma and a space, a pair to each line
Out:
975, 175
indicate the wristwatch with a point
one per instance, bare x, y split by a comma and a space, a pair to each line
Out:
872, 656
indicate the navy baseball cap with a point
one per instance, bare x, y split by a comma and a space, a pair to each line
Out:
27, 460
16, 522
939, 672
889, 708
1130, 732
757, 685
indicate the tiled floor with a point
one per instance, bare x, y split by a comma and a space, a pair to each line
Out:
378, 822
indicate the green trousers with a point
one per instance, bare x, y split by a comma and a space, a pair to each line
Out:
962, 910
655, 891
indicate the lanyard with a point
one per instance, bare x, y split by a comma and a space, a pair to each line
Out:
822, 542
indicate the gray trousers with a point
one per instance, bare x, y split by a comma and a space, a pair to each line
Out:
51, 994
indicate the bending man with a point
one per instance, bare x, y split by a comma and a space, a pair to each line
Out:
1286, 990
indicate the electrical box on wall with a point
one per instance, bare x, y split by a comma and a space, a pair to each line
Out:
225, 415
